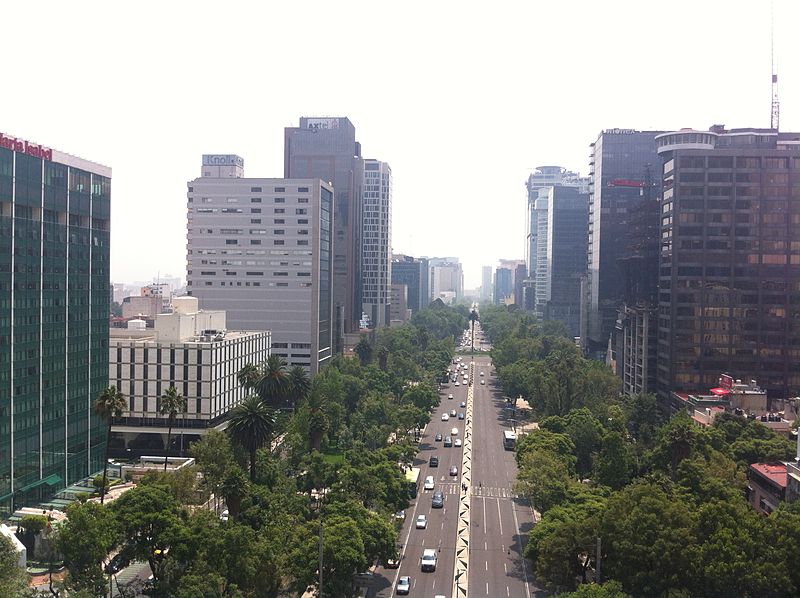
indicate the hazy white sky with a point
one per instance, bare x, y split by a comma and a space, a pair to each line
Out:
462, 99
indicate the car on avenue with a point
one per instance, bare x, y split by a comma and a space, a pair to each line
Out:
404, 585
438, 437
452, 413
453, 470
450, 397
445, 417
422, 522
463, 404
454, 432
429, 483
460, 415
483, 381
457, 442
448, 441
437, 500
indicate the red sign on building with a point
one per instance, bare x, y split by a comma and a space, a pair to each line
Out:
25, 147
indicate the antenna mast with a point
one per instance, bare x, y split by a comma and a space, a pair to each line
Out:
776, 105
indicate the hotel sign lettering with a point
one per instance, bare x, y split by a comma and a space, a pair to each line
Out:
25, 147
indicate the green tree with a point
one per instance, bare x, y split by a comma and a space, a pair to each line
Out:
299, 384
647, 535
251, 426
84, 539
110, 404
558, 445
234, 488
152, 521
543, 477
613, 468
13, 579
172, 403
586, 434
343, 555
214, 457
249, 377
273, 386
473, 317
364, 350
610, 589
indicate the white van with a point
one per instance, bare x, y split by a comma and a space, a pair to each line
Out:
429, 483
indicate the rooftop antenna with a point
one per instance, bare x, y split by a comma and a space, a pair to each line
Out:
776, 105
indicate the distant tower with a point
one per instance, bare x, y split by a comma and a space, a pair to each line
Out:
775, 116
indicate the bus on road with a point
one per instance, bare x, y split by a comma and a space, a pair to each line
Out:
509, 440
412, 481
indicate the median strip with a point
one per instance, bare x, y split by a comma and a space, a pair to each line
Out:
461, 570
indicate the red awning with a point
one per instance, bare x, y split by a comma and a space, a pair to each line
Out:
720, 391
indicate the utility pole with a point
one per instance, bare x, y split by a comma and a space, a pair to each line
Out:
597, 569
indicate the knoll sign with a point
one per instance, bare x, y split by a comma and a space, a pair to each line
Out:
25, 147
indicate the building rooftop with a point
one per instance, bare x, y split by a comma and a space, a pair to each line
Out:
774, 472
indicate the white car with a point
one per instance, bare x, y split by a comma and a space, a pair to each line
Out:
481, 374
404, 585
483, 381
456, 384
445, 417
428, 485
422, 522
452, 413
457, 442
454, 432
449, 396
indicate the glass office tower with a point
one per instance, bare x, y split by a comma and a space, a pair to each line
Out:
54, 307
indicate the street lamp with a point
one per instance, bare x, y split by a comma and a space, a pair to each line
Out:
320, 496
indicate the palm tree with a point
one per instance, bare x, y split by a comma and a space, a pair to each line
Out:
274, 382
251, 426
249, 376
299, 384
363, 350
110, 404
172, 403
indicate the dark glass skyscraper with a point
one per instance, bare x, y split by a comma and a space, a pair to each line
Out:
729, 277
326, 148
54, 305
623, 163
413, 273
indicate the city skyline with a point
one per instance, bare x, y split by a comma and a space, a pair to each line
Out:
149, 123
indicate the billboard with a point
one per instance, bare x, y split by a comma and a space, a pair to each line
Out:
222, 160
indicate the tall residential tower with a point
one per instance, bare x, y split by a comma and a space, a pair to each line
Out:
377, 242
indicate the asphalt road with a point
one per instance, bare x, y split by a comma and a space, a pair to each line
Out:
496, 565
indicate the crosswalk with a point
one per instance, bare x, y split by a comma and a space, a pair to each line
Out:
477, 491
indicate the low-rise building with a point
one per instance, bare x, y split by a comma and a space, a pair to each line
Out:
399, 311
766, 487
191, 350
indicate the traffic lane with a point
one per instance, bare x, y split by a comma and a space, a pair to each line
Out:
442, 523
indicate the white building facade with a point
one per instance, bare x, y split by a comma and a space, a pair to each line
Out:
190, 350
376, 235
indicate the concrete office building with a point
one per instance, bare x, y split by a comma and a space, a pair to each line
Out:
414, 274
447, 279
326, 148
567, 219
377, 242
486, 283
399, 312
190, 350
623, 164
260, 249
54, 307
729, 275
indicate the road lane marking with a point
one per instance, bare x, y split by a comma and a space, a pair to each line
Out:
484, 516
521, 547
499, 516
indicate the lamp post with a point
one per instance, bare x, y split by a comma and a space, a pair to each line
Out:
320, 496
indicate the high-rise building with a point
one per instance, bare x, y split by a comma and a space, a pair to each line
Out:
729, 275
623, 162
447, 279
377, 242
503, 285
190, 350
54, 307
413, 273
567, 218
260, 249
326, 148
538, 187
486, 283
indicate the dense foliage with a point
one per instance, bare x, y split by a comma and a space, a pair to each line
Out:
667, 499
333, 468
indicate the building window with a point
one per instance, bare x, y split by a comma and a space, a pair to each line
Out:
301, 211
255, 200
255, 189
280, 200
302, 200
278, 231
255, 241
278, 242
231, 242
302, 189
280, 189
302, 242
